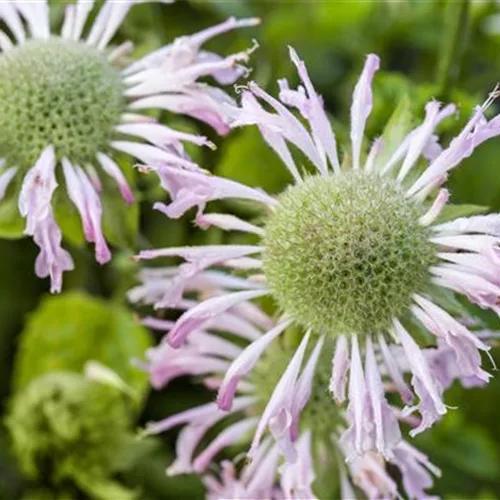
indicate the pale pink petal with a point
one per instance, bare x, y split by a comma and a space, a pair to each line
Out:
52, 260
196, 415
88, 204
357, 401
114, 171
340, 365
394, 371
244, 363
161, 135
423, 134
387, 433
415, 468
11, 17
203, 102
197, 316
152, 155
420, 368
229, 436
476, 131
435, 209
314, 112
227, 223
297, 478
37, 189
362, 102
303, 389
277, 412
479, 224
375, 151
194, 189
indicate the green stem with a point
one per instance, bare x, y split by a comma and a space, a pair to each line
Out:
456, 30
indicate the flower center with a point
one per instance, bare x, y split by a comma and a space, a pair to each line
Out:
345, 253
57, 92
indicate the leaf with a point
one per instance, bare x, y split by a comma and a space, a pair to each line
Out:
120, 221
249, 160
451, 212
396, 129
68, 219
68, 330
11, 222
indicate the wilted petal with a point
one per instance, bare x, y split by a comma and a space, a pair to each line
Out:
419, 367
194, 189
52, 260
416, 470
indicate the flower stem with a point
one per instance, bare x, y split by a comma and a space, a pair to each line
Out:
456, 30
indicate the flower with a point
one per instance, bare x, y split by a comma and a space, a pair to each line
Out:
353, 253
308, 433
67, 100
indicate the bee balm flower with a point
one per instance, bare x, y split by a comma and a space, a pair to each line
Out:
67, 102
353, 254
313, 447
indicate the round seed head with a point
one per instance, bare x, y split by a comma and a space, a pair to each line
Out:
345, 253
57, 92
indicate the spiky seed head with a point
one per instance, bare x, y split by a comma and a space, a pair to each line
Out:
57, 92
344, 253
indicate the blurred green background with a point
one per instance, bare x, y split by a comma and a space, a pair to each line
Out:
448, 50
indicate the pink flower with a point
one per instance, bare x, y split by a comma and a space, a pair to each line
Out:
168, 78
280, 442
373, 243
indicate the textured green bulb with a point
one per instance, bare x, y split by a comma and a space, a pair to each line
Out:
57, 92
345, 253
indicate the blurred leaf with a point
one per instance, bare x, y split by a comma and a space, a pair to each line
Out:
68, 219
477, 179
452, 211
397, 128
249, 160
73, 328
11, 222
120, 221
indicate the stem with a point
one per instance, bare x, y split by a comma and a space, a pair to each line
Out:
456, 31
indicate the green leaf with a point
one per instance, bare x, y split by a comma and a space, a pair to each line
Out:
120, 221
398, 126
452, 211
68, 330
11, 222
249, 160
68, 219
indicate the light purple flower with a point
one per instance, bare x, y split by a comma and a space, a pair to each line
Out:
168, 78
465, 259
282, 464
